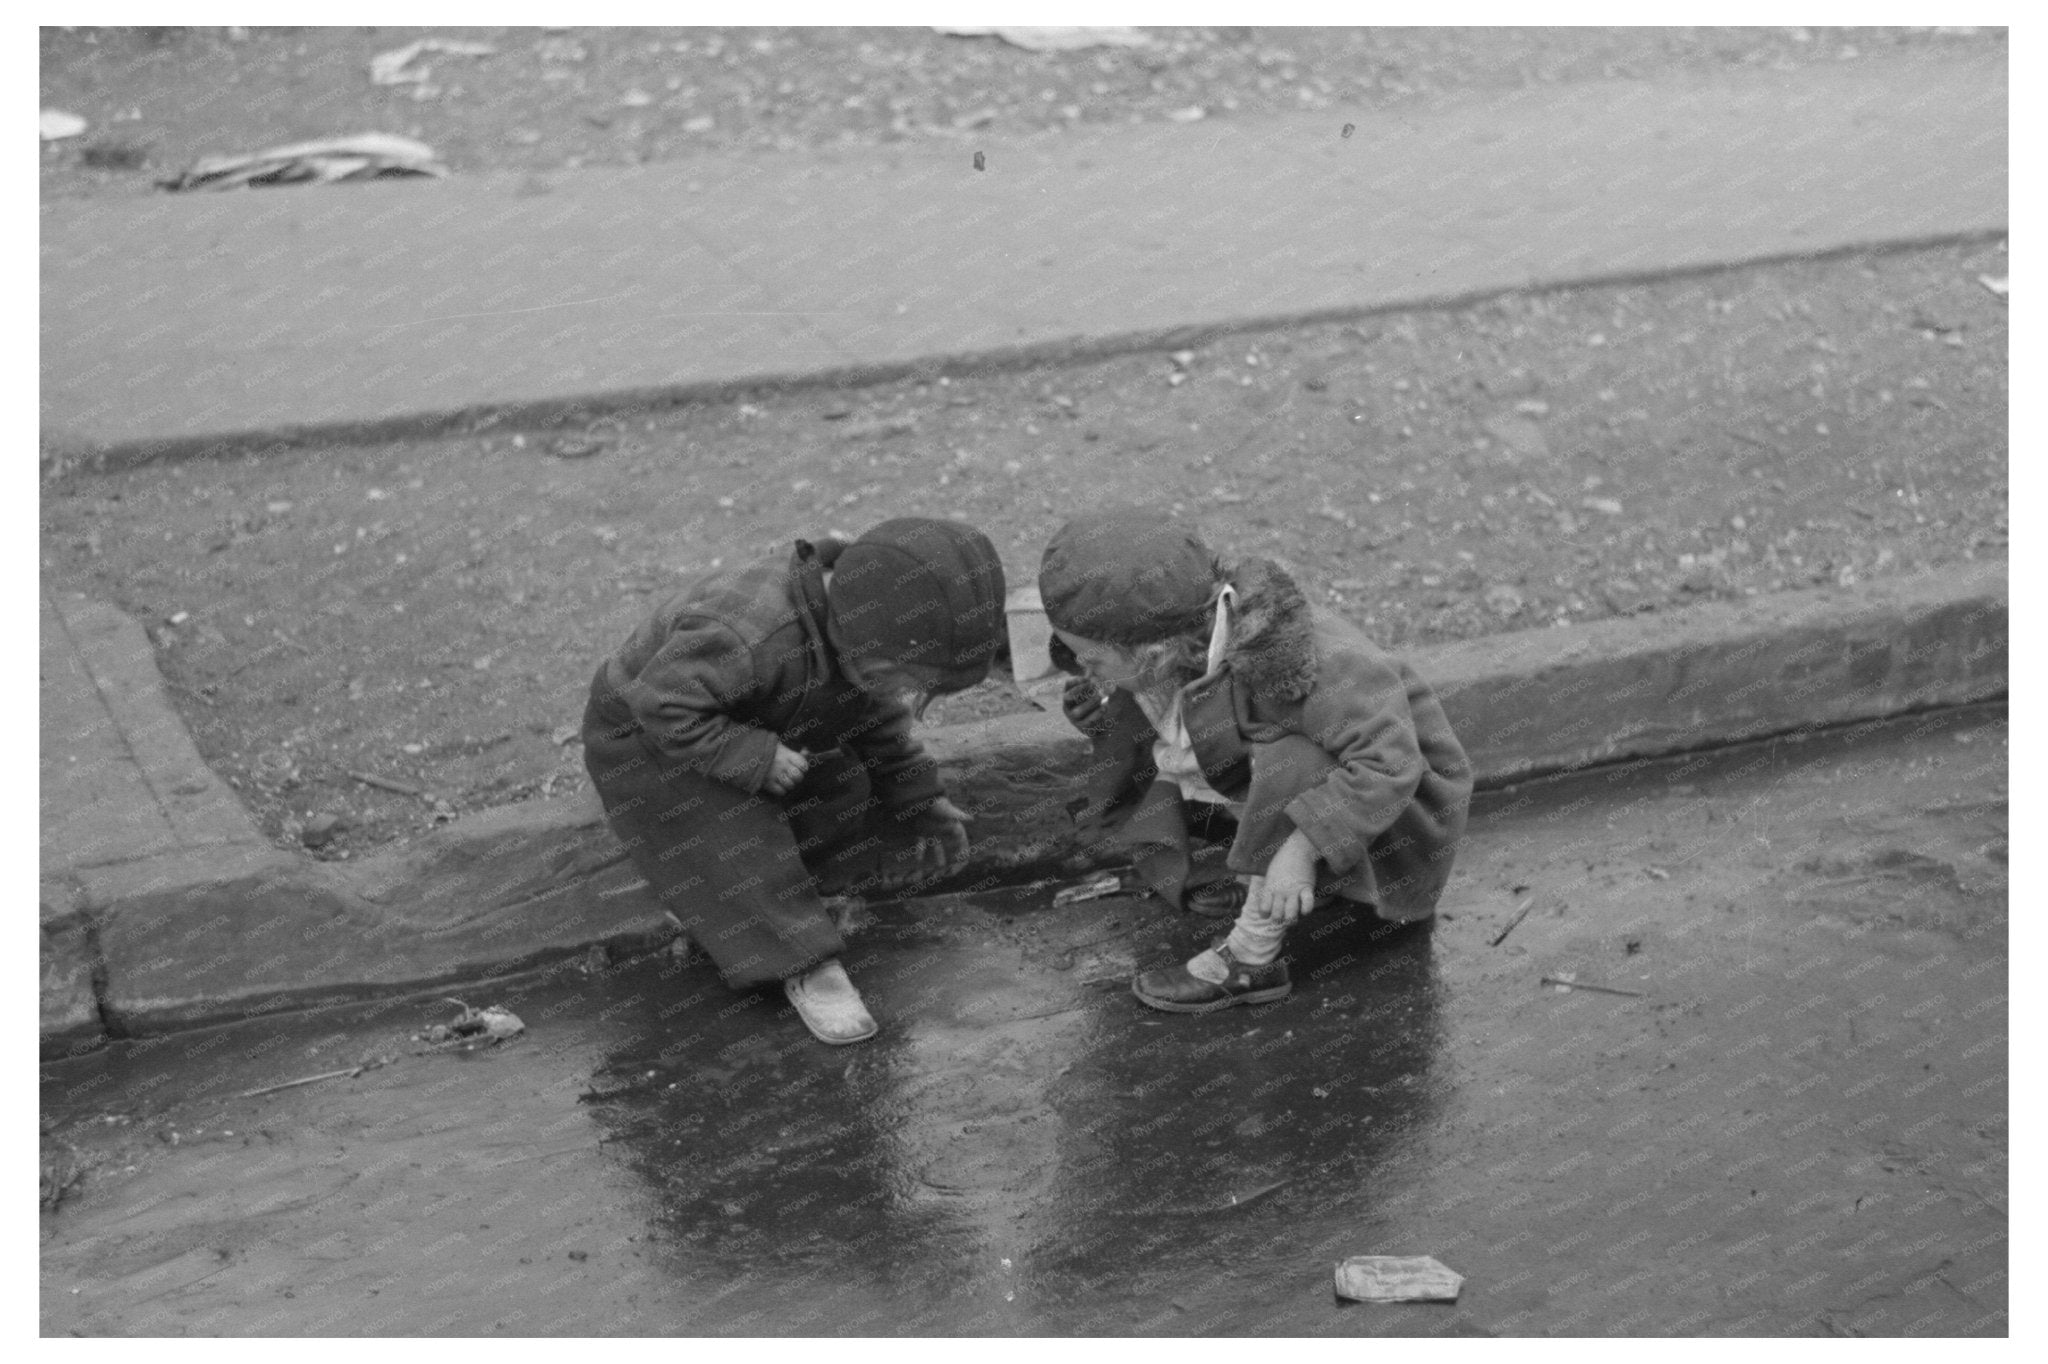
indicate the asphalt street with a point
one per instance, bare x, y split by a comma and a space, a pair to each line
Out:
1768, 1098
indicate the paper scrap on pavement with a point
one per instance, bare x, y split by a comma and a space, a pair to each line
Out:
363, 156
1397, 1278
58, 125
1996, 284
1050, 39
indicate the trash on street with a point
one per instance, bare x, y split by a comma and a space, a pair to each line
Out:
1996, 284
58, 125
473, 1027
1397, 1278
363, 156
1050, 39
1099, 888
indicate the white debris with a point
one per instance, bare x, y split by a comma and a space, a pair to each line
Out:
58, 125
362, 156
396, 66
1397, 1278
1050, 39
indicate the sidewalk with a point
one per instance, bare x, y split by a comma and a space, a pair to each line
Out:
176, 323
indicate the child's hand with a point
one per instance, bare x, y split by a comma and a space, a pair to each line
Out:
1288, 889
945, 846
1083, 705
787, 769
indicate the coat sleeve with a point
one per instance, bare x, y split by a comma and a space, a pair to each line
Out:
685, 696
1359, 715
902, 777
1119, 765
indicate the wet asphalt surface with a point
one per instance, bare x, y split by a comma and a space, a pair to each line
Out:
1794, 1124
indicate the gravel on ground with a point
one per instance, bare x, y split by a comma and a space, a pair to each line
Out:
428, 612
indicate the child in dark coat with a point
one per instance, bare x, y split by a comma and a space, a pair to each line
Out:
752, 743
1216, 695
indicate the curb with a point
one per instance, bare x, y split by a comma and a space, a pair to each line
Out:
242, 929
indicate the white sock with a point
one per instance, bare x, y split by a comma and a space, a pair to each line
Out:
1255, 940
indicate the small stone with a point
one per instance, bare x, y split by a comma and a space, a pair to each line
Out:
636, 99
1605, 505
1522, 436
570, 447
1624, 597
879, 428
320, 830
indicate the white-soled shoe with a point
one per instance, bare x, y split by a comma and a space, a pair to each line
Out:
829, 1005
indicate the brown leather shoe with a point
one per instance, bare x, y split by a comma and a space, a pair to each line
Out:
1178, 990
1217, 899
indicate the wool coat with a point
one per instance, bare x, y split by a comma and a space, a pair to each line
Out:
679, 734
1310, 726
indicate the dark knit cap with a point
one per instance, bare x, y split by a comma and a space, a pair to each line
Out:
920, 591
1127, 576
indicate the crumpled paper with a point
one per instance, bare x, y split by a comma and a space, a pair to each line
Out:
1050, 39
363, 156
58, 125
491, 1024
1397, 1278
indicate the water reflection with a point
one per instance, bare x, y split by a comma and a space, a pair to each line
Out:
1025, 1142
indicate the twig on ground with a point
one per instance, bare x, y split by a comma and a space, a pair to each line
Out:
348, 1074
1752, 440
1497, 939
1582, 985
386, 784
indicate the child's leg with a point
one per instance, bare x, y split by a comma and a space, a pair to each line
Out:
1281, 771
1156, 836
725, 863
830, 815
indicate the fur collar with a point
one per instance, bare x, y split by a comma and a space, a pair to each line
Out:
1272, 638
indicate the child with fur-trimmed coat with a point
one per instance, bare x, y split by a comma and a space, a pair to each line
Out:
1218, 698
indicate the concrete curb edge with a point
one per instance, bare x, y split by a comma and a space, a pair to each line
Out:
216, 934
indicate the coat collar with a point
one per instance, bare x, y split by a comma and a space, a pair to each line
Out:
1272, 639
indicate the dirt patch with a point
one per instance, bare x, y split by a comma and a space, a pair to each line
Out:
428, 613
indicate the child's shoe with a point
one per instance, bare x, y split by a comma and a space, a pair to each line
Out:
829, 1005
1188, 989
1217, 899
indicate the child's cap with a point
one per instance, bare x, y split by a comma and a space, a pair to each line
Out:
921, 591
1127, 576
